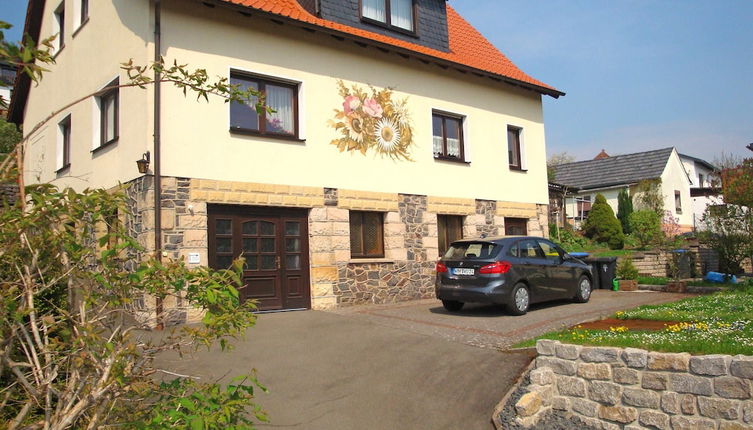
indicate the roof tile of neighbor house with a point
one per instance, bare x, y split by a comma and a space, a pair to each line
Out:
467, 46
614, 171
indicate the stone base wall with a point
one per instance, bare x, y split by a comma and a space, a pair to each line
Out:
410, 234
614, 388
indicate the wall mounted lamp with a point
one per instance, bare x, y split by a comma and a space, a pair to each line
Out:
143, 163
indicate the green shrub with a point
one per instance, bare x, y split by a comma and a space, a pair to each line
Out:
646, 225
602, 226
624, 209
627, 270
570, 240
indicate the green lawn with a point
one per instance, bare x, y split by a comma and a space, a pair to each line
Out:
720, 323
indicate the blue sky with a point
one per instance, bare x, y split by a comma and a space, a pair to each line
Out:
639, 74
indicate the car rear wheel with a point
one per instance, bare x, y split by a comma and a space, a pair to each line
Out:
452, 305
520, 300
583, 291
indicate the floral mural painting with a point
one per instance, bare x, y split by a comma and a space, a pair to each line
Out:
373, 122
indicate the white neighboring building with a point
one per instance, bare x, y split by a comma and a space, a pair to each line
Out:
702, 191
608, 175
7, 77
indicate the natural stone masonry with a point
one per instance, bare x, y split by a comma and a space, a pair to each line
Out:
613, 388
410, 234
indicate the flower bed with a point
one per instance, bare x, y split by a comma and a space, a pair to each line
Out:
721, 323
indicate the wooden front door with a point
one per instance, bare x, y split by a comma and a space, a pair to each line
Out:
274, 243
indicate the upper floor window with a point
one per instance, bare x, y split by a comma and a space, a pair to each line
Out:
84, 11
394, 13
678, 202
59, 24
700, 180
281, 97
448, 136
109, 107
64, 144
81, 14
514, 148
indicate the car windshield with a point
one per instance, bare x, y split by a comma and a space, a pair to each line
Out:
471, 250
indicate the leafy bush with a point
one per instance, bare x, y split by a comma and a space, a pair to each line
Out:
570, 240
627, 270
648, 196
729, 232
646, 225
602, 226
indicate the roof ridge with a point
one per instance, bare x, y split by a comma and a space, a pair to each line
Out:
613, 157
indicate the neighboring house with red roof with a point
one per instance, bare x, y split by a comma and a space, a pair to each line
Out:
397, 127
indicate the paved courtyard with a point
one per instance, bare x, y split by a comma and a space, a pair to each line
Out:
488, 326
404, 366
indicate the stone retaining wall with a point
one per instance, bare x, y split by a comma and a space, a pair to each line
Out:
614, 388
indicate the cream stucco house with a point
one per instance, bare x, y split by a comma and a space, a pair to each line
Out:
397, 128
608, 175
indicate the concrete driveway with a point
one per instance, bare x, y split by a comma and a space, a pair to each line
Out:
406, 366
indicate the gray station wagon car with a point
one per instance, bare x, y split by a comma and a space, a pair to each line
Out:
514, 271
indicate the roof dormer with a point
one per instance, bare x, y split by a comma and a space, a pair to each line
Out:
423, 22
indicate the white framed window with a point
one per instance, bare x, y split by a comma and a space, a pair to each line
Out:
58, 27
516, 149
63, 152
398, 14
81, 14
107, 116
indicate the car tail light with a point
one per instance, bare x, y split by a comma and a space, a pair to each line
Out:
441, 268
498, 267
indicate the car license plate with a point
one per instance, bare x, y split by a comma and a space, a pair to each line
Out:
463, 272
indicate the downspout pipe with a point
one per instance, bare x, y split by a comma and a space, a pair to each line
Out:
157, 151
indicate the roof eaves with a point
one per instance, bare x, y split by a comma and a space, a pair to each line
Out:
389, 47
22, 85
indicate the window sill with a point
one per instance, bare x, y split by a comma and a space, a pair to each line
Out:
104, 145
63, 169
80, 27
384, 25
518, 169
451, 160
246, 132
371, 260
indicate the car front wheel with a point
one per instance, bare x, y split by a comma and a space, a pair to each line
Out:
520, 300
452, 305
583, 291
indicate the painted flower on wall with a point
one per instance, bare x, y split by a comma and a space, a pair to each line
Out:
373, 121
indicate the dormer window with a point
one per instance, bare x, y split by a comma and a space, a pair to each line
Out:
397, 14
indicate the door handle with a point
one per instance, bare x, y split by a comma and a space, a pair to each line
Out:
277, 262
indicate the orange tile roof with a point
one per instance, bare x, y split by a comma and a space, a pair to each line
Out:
467, 46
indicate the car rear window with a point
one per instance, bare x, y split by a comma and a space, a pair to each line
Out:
471, 250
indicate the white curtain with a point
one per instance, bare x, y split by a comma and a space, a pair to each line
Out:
374, 9
109, 108
438, 150
401, 12
453, 147
281, 100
